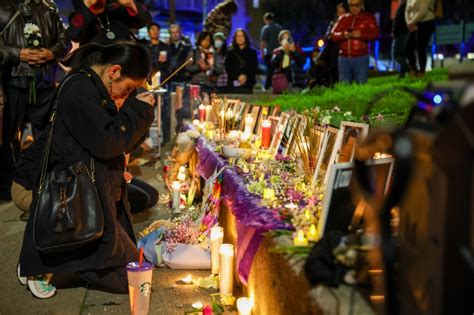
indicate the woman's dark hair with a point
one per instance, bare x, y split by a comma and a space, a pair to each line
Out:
247, 38
228, 7
201, 37
132, 57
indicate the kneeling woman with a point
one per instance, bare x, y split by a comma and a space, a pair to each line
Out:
89, 127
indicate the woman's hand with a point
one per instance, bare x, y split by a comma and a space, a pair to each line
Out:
146, 97
127, 177
128, 4
242, 79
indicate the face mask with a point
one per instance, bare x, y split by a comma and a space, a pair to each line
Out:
218, 44
284, 41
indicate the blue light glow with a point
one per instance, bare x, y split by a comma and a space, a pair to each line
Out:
437, 99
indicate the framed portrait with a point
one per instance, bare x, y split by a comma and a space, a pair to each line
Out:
341, 199
279, 132
295, 130
327, 148
347, 137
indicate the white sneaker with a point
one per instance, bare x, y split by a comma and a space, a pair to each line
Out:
40, 286
21, 279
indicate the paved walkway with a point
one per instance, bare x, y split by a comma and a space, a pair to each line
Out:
168, 297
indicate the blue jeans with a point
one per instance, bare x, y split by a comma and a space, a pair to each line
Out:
354, 69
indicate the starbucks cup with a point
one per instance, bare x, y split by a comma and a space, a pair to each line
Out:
139, 286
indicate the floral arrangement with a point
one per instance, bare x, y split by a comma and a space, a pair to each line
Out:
32, 35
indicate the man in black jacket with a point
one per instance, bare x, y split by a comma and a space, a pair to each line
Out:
29, 73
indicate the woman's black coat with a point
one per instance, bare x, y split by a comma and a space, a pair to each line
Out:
241, 61
88, 124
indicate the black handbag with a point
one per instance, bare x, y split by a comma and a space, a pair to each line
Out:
68, 213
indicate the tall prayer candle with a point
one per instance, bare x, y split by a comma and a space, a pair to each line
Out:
248, 124
226, 269
266, 130
202, 112
217, 237
312, 234
176, 187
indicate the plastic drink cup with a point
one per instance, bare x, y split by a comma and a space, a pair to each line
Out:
139, 286
163, 53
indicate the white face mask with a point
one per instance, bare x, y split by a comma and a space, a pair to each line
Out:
284, 41
218, 44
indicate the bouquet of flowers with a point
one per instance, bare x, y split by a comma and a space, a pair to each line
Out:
32, 35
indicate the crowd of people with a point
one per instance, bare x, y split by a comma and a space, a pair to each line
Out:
100, 115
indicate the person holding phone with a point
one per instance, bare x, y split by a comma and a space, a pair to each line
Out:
353, 31
286, 59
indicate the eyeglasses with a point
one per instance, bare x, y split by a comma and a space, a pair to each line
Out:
356, 4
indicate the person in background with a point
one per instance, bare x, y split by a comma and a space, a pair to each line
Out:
324, 66
268, 43
29, 74
420, 19
97, 21
159, 62
203, 70
220, 18
220, 54
158, 51
178, 53
241, 64
400, 37
353, 31
102, 75
287, 57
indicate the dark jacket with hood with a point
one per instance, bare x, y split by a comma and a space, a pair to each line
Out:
89, 125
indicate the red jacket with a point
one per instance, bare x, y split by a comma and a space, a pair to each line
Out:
355, 47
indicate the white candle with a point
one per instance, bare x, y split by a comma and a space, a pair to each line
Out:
188, 279
217, 237
155, 80
234, 134
182, 174
244, 306
196, 122
176, 187
197, 305
248, 124
226, 269
300, 240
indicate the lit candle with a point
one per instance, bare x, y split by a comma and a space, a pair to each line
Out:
176, 187
197, 305
244, 306
182, 174
217, 237
208, 112
300, 240
268, 194
266, 130
226, 269
307, 215
202, 112
155, 80
188, 279
248, 124
312, 234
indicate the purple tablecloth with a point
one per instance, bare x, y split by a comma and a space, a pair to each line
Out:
252, 219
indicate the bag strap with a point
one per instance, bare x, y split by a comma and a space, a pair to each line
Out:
52, 120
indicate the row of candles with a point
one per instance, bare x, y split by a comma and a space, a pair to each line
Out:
205, 115
222, 263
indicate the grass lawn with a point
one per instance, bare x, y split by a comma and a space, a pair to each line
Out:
354, 98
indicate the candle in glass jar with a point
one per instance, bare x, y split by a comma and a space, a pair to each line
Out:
300, 239
244, 306
226, 269
202, 112
248, 124
312, 234
176, 188
266, 131
217, 237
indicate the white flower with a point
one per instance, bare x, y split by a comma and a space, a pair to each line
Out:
348, 114
336, 109
326, 120
36, 43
